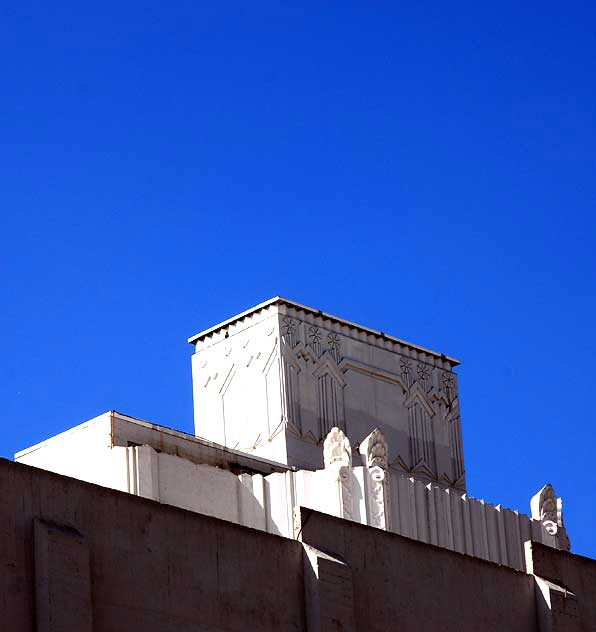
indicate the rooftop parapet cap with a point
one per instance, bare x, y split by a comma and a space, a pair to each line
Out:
278, 300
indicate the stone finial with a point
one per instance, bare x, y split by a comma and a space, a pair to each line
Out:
374, 449
548, 509
337, 449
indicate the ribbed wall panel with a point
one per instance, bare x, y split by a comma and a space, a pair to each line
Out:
443, 517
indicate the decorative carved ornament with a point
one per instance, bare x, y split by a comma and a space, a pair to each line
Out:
288, 326
375, 450
314, 335
547, 508
337, 449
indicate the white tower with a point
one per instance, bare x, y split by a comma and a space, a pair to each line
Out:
273, 380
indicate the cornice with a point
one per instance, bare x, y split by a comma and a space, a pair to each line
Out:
278, 300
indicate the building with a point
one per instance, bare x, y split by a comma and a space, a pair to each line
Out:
326, 476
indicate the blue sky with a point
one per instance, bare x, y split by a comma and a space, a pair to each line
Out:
421, 168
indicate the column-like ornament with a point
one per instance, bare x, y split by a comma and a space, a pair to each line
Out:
375, 451
548, 509
337, 454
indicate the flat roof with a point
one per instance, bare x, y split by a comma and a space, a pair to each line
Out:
278, 300
207, 451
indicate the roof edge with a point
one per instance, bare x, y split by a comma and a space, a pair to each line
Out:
278, 300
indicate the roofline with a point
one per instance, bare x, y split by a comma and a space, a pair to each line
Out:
243, 458
278, 300
237, 457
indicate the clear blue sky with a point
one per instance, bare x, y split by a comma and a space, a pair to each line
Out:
423, 168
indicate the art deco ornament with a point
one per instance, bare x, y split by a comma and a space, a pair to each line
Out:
337, 449
374, 449
547, 508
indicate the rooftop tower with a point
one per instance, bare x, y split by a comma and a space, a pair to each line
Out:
273, 380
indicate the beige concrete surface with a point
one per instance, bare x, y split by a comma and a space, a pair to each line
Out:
77, 556
153, 567
403, 584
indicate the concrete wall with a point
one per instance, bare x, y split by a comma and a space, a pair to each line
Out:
566, 588
402, 584
76, 556
68, 547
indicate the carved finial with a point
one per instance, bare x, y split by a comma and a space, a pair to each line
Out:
337, 449
547, 508
375, 451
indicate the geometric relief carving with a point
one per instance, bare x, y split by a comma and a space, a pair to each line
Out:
330, 404
291, 401
407, 370
315, 338
418, 396
455, 442
422, 445
424, 373
330, 385
334, 346
418, 401
289, 330
311, 378
449, 386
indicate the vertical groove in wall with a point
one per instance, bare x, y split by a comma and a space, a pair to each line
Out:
269, 525
403, 514
412, 509
395, 503
290, 395
323, 412
399, 503
484, 530
291, 497
421, 511
414, 456
456, 447
432, 515
440, 513
456, 521
262, 496
127, 457
517, 542
467, 518
492, 534
283, 387
429, 444
135, 471
504, 558
446, 494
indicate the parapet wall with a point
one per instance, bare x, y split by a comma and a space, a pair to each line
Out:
76, 556
90, 559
